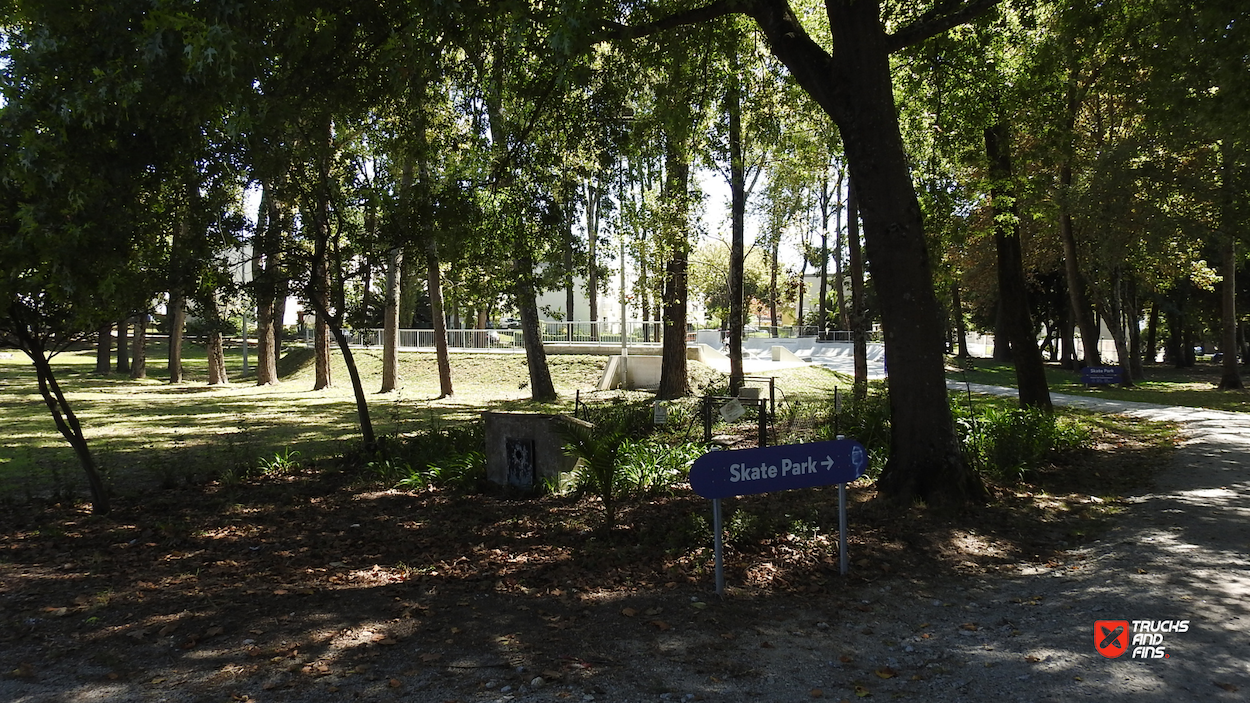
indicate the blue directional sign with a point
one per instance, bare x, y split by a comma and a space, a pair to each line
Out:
766, 469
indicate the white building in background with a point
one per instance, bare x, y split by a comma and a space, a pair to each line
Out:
556, 301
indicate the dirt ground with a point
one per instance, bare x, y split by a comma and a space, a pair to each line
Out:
316, 588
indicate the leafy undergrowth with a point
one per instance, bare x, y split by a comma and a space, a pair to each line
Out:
289, 580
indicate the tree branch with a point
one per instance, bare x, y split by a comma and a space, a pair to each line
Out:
937, 20
720, 8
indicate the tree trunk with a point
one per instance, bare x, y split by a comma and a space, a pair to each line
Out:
855, 88
264, 273
773, 295
123, 345
1132, 327
1112, 310
1081, 309
737, 246
1012, 289
592, 261
390, 323
1152, 332
541, 387
822, 306
1067, 338
1002, 340
177, 315
104, 350
216, 359
66, 422
139, 365
674, 381
434, 283
961, 324
1230, 376
858, 318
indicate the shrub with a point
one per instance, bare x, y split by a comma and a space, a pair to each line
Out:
1007, 443
649, 466
449, 457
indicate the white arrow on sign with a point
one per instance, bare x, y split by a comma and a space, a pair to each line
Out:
828, 462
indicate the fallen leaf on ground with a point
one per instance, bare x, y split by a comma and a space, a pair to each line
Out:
1228, 687
886, 672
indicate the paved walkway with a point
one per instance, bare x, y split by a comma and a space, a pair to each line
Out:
1179, 553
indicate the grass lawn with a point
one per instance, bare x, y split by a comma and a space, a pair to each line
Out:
149, 432
1193, 387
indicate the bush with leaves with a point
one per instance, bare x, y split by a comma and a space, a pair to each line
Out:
1006, 443
650, 466
449, 457
598, 472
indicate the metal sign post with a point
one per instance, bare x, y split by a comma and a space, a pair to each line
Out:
722, 474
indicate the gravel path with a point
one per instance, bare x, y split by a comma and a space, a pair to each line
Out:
1025, 633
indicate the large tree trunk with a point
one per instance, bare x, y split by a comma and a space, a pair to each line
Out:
123, 345
139, 365
737, 246
961, 324
855, 87
857, 314
1152, 333
434, 281
822, 305
104, 350
63, 416
1012, 290
674, 382
390, 323
1112, 310
1077, 297
592, 262
541, 387
1230, 376
177, 315
264, 272
216, 359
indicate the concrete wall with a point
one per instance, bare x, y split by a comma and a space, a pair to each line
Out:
514, 440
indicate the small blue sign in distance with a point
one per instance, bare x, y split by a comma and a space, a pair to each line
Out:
1097, 375
748, 471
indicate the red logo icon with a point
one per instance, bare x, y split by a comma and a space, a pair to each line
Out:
1111, 637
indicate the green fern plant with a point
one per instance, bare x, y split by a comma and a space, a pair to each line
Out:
597, 472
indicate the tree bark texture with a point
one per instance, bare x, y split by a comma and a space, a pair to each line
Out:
66, 421
177, 313
1012, 288
139, 364
104, 350
542, 388
854, 86
674, 381
123, 345
434, 282
216, 359
737, 245
390, 323
264, 273
1230, 373
858, 316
